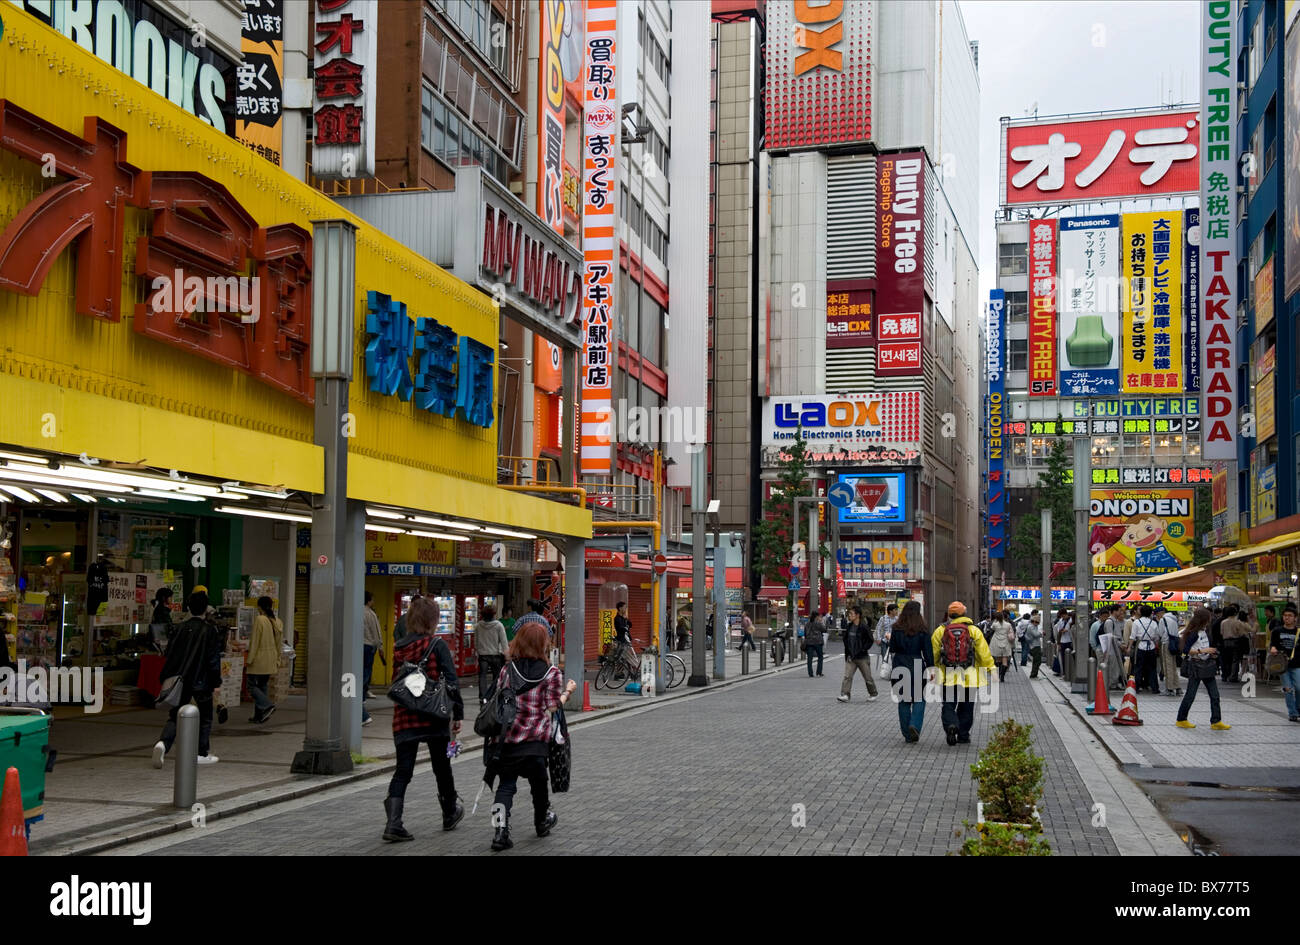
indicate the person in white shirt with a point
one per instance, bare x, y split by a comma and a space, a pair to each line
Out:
1202, 658
884, 626
1168, 624
1145, 650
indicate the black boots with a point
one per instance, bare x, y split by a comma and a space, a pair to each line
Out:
452, 811
546, 823
394, 832
501, 838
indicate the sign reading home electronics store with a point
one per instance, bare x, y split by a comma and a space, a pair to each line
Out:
829, 422
818, 73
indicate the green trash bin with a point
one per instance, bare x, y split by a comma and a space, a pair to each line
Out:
25, 745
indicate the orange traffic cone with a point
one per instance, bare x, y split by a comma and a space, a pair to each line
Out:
13, 830
1101, 706
1128, 712
586, 696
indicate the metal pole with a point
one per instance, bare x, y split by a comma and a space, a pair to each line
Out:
720, 624
187, 756
1082, 678
814, 568
834, 518
1045, 618
656, 584
575, 607
699, 597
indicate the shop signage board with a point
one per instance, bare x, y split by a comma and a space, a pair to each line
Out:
1192, 300
550, 151
1153, 306
1089, 339
525, 261
1099, 159
893, 455
1139, 407
259, 92
1115, 592
408, 569
1147, 475
389, 546
1265, 395
137, 38
346, 72
819, 73
900, 262
1140, 532
1290, 247
996, 523
1042, 308
861, 561
856, 421
1218, 187
849, 320
600, 261
495, 555
1263, 297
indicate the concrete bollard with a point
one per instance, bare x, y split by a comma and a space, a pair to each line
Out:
186, 754
744, 661
762, 656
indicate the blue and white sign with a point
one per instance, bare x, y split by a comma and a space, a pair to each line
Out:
1089, 306
878, 499
995, 364
841, 495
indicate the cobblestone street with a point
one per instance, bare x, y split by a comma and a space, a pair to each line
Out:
720, 773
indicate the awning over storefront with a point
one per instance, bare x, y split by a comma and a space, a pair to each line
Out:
1205, 576
1270, 546
1188, 579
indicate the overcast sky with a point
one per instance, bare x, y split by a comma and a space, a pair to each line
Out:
1072, 56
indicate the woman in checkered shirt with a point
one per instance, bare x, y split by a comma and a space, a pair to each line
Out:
539, 690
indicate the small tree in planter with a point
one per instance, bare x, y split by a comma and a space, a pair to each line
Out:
1010, 779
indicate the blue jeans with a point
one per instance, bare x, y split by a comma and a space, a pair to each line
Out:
911, 714
1212, 687
818, 649
1024, 651
257, 689
1290, 683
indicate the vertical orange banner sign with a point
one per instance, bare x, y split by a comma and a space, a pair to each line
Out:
599, 251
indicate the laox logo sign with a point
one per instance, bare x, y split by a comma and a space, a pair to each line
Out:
818, 35
839, 413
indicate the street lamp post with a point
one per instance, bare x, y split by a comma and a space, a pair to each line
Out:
333, 292
1082, 562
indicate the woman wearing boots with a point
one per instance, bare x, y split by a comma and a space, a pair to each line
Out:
539, 690
410, 729
1002, 642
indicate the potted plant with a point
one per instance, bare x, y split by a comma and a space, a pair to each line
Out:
1010, 780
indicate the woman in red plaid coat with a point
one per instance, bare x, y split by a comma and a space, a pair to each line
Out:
410, 729
539, 690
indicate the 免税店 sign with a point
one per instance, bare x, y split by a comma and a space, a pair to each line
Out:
90, 212
1099, 159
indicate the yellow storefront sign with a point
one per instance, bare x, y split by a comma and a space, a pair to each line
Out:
386, 546
1152, 360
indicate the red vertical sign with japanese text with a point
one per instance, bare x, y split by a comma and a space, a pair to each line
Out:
1042, 308
599, 250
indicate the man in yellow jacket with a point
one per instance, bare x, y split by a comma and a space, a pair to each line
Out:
962, 658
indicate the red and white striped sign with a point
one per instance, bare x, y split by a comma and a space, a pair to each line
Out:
600, 262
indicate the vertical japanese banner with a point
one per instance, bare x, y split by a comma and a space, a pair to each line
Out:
900, 270
1153, 307
346, 44
1089, 345
599, 250
1218, 307
997, 496
1042, 308
1191, 299
550, 150
259, 95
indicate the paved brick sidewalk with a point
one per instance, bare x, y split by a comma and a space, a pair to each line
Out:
719, 773
1260, 737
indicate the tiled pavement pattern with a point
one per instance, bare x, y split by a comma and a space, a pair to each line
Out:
1260, 737
717, 774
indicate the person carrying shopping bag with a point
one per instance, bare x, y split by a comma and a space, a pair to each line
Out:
1201, 645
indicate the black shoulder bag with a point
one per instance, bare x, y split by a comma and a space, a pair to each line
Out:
411, 689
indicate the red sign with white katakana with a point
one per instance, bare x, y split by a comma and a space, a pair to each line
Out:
1101, 158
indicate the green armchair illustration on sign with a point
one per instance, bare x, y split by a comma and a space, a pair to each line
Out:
1090, 345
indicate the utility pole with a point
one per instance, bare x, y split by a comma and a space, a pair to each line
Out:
699, 597
1044, 620
1083, 562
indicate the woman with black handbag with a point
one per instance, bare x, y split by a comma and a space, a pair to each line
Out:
422, 652
526, 744
1199, 645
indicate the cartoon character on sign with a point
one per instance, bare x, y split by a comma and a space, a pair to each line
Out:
1146, 543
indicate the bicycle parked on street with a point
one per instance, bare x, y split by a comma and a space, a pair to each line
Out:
621, 665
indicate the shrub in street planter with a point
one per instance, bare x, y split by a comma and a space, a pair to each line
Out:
1010, 779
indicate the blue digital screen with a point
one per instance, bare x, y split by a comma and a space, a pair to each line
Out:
878, 499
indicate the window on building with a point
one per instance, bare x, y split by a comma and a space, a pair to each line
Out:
1104, 450
1136, 446
1040, 447
1019, 354
651, 329
1019, 451
1013, 259
454, 141
1256, 61
1017, 308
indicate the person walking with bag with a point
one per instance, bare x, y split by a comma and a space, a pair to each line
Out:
1002, 642
814, 640
1235, 634
263, 658
913, 663
1169, 647
191, 671
412, 729
1283, 642
1146, 643
883, 628
857, 656
1201, 662
490, 644
962, 655
539, 690
1034, 640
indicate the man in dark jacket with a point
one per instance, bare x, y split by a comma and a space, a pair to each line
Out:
193, 655
857, 655
814, 638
